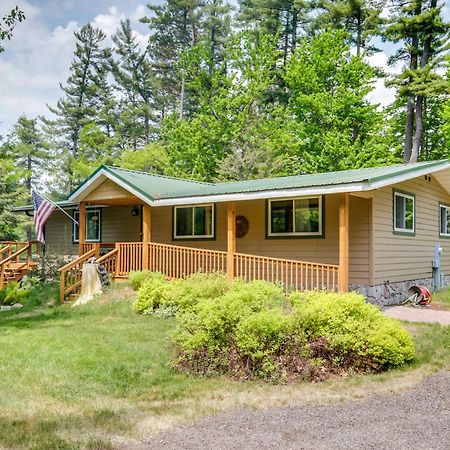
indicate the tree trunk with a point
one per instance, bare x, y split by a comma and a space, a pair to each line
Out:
409, 127
417, 141
419, 130
181, 110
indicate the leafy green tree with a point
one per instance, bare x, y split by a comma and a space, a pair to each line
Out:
8, 23
232, 114
83, 98
152, 158
328, 95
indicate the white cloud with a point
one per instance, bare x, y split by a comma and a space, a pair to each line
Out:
38, 58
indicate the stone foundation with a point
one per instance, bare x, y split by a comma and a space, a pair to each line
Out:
394, 293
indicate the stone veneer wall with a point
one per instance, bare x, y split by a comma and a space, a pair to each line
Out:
394, 293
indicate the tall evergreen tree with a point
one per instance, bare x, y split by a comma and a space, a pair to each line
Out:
82, 99
285, 18
134, 79
29, 149
361, 19
11, 194
175, 28
418, 26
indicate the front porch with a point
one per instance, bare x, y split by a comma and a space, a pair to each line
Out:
178, 261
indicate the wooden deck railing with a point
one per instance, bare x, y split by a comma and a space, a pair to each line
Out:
177, 262
129, 257
70, 274
293, 274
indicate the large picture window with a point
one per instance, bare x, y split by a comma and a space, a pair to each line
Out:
295, 217
194, 222
404, 212
93, 225
444, 220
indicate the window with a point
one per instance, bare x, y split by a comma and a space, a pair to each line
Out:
404, 212
444, 220
93, 225
295, 217
194, 222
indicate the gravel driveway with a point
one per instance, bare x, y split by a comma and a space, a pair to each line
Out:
419, 419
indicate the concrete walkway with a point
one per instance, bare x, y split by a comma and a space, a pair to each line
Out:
412, 314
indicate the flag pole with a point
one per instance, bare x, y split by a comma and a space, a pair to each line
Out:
57, 206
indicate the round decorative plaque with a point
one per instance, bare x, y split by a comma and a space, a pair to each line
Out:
241, 226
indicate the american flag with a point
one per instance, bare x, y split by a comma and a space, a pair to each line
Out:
42, 210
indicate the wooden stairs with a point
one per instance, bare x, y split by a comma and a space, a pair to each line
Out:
16, 259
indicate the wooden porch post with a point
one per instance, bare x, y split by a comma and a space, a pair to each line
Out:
344, 242
231, 239
82, 227
146, 234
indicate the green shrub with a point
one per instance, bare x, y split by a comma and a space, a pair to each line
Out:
212, 321
184, 294
354, 328
263, 333
151, 293
13, 293
137, 278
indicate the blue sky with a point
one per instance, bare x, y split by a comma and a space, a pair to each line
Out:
39, 55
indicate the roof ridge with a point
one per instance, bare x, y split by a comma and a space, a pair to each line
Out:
158, 175
373, 168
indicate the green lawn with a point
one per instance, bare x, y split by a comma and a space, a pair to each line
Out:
441, 299
99, 375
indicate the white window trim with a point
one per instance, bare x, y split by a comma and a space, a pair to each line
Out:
447, 208
294, 233
95, 208
404, 230
194, 236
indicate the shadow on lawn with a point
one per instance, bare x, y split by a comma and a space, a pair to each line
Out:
38, 318
63, 431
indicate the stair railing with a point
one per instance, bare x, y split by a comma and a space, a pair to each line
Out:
70, 274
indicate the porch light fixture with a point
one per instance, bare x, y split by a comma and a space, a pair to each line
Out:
135, 211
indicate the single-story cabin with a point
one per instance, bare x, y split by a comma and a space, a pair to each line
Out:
375, 230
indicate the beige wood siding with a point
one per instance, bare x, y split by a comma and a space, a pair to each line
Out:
323, 250
118, 225
401, 258
58, 234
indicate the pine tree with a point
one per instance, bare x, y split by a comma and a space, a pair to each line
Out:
418, 26
11, 194
285, 18
360, 18
84, 95
30, 150
175, 28
135, 82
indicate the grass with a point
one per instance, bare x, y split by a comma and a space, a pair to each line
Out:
98, 376
441, 300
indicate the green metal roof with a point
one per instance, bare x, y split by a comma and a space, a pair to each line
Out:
157, 187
